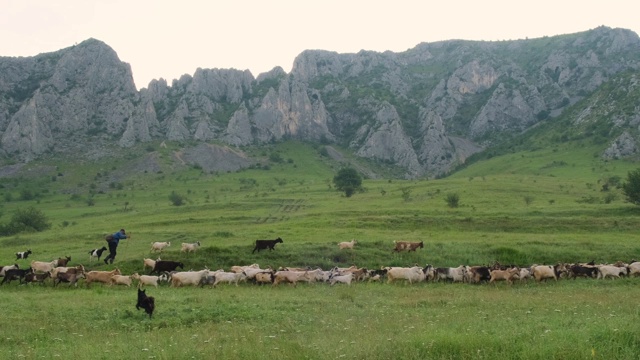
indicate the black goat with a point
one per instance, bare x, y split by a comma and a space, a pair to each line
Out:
166, 265
15, 274
264, 244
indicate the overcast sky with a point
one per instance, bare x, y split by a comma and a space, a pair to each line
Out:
170, 38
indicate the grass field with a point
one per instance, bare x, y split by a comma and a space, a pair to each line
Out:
537, 207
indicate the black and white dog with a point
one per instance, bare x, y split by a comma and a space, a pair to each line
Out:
96, 253
23, 254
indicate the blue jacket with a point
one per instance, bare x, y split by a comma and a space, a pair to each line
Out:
118, 236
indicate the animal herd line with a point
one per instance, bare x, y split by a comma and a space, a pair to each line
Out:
166, 271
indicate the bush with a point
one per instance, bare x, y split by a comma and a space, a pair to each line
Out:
453, 200
176, 199
26, 220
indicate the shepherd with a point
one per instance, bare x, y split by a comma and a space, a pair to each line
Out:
112, 241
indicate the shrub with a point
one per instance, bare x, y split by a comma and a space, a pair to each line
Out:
26, 220
176, 199
453, 200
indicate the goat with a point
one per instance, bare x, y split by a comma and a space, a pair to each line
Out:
347, 244
264, 244
8, 267
121, 280
101, 276
407, 245
159, 246
149, 263
40, 278
190, 247
15, 274
188, 277
148, 303
63, 261
146, 279
166, 266
71, 275
43, 267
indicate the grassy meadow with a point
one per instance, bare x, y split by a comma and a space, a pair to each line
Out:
539, 207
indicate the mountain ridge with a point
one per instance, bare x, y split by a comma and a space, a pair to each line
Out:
425, 110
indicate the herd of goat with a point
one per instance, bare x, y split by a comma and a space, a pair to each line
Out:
167, 271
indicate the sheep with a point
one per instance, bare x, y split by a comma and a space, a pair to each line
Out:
23, 254
347, 244
190, 247
145, 302
96, 253
159, 246
149, 263
101, 276
121, 280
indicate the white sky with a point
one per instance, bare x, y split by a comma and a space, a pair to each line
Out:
170, 38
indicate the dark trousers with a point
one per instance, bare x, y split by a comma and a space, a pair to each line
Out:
113, 246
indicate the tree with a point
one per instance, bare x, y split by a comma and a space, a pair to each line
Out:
348, 180
631, 187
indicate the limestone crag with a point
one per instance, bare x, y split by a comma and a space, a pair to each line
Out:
425, 110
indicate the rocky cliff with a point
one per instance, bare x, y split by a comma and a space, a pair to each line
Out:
426, 109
